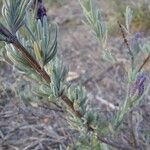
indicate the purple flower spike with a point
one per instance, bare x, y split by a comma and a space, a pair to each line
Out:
135, 42
140, 79
138, 35
138, 86
41, 10
141, 90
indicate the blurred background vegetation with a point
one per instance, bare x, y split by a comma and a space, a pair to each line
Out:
141, 14
114, 10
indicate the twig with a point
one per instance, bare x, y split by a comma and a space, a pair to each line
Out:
108, 104
1, 134
133, 141
54, 109
31, 60
127, 44
120, 146
144, 63
70, 105
33, 144
111, 67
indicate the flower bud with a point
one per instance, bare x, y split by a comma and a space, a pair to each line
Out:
41, 10
138, 86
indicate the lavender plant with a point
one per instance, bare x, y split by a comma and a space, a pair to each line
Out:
95, 22
135, 78
30, 43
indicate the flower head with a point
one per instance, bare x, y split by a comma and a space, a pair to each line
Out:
41, 10
138, 86
136, 41
138, 35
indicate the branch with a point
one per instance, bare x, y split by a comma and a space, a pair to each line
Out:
119, 146
127, 44
33, 63
31, 60
144, 63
